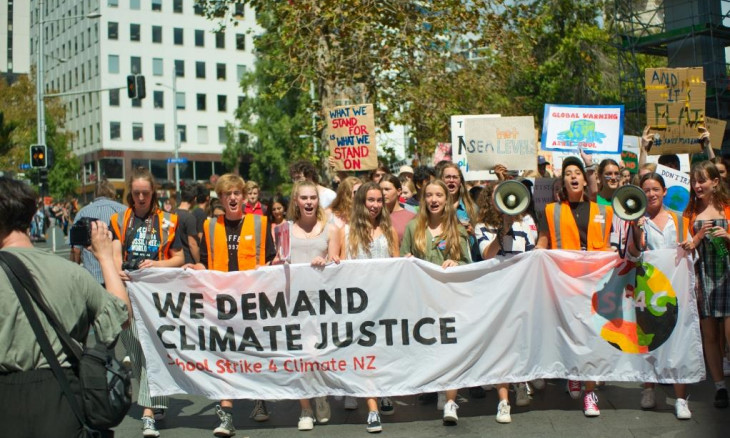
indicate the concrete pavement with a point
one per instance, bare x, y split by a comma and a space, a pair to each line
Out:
552, 413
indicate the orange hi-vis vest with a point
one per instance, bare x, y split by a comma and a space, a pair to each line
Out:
690, 217
251, 245
681, 225
168, 225
566, 236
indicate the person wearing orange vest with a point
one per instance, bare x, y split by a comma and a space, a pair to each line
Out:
576, 224
144, 237
235, 241
708, 213
660, 229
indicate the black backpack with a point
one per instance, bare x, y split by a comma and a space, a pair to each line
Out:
106, 387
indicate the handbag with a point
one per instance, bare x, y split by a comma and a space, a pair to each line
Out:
106, 386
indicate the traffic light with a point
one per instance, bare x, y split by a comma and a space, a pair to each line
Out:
136, 87
131, 87
38, 156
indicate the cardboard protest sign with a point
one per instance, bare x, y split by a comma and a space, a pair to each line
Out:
675, 106
717, 131
458, 149
543, 193
595, 129
509, 141
351, 136
677, 184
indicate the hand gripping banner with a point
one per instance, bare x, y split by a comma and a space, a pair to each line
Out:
404, 326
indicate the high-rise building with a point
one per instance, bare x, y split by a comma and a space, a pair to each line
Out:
171, 43
14, 38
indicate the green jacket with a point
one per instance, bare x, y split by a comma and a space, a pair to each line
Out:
433, 253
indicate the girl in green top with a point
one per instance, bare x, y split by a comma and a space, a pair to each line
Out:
609, 177
436, 236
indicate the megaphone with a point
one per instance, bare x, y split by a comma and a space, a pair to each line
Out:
511, 198
629, 202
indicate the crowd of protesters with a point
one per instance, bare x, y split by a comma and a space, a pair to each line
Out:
433, 214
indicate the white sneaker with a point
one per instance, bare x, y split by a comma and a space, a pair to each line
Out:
350, 403
323, 410
522, 397
648, 398
538, 384
726, 366
681, 409
148, 428
306, 420
374, 424
441, 402
503, 409
450, 412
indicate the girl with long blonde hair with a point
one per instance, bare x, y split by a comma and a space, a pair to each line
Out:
436, 236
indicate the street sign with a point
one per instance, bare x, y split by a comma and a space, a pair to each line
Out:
25, 166
181, 160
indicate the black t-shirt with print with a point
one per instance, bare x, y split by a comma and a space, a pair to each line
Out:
142, 239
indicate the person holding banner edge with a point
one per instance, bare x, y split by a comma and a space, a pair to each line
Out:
576, 223
144, 237
435, 235
313, 240
370, 235
501, 236
660, 229
708, 213
234, 242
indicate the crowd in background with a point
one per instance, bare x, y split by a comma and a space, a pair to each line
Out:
432, 213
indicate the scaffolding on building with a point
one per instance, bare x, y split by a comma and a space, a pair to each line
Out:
680, 33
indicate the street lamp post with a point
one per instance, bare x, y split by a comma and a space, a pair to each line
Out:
174, 126
39, 83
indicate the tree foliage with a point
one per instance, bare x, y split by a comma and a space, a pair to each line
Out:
18, 131
419, 63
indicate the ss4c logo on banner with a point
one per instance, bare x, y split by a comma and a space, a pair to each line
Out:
640, 323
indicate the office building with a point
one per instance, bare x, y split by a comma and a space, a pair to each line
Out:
161, 40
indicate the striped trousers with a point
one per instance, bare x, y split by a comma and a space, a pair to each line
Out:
130, 340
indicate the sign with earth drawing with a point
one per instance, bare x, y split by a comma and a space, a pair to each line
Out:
677, 184
594, 129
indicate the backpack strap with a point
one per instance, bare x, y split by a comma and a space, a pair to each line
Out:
25, 287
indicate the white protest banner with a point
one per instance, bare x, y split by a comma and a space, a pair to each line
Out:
595, 129
509, 141
351, 134
677, 184
404, 326
458, 149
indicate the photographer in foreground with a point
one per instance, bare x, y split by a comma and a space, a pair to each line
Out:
31, 400
144, 237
